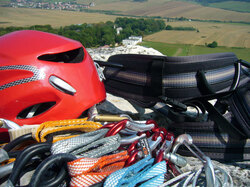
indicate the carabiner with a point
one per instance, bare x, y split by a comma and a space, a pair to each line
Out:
4, 123
126, 124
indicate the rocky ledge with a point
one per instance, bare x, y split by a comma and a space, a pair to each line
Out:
103, 53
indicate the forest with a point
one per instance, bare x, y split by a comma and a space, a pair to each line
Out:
94, 35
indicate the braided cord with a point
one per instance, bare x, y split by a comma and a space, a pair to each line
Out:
50, 127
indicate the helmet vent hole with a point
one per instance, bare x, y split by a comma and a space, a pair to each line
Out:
35, 110
73, 56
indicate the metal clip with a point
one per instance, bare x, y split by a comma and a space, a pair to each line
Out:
108, 118
4, 123
187, 140
138, 127
128, 126
131, 139
99, 70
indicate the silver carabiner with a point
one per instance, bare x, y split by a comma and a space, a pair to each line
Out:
4, 123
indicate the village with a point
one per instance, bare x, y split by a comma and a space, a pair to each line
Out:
71, 5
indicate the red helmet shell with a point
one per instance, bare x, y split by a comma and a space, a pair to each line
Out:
30, 68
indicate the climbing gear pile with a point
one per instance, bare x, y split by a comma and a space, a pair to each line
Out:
47, 77
123, 153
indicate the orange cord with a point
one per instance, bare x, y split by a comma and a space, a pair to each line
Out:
89, 171
67, 126
8, 161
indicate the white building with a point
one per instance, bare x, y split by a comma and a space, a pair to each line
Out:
139, 38
132, 40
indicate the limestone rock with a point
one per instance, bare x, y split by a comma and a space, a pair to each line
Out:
103, 53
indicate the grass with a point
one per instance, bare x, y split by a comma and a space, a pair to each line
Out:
238, 6
168, 49
188, 50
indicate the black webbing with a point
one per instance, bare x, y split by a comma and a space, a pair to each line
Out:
225, 125
203, 84
157, 76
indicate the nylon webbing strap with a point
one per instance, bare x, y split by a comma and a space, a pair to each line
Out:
89, 171
203, 84
154, 176
64, 129
144, 170
121, 176
3, 155
71, 144
99, 148
157, 76
225, 125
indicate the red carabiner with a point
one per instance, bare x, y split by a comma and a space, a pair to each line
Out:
150, 121
159, 156
132, 147
132, 158
116, 128
108, 125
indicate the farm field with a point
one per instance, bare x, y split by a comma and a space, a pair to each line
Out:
55, 18
188, 50
232, 5
225, 34
171, 9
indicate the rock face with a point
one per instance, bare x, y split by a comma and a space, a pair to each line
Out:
103, 53
239, 171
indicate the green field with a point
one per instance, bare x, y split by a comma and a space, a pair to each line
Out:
188, 50
232, 5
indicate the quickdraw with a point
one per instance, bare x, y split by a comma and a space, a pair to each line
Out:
127, 152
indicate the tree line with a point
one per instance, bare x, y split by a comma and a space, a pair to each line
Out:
99, 34
169, 27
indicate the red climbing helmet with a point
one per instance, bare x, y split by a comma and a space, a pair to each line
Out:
46, 77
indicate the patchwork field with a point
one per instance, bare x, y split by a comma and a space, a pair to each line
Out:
232, 5
187, 49
230, 35
172, 9
56, 18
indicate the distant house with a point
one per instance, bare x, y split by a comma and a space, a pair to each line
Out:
92, 4
118, 30
132, 40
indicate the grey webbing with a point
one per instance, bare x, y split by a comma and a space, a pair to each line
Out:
69, 145
3, 155
99, 148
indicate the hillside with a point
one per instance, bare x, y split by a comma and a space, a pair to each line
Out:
221, 10
169, 8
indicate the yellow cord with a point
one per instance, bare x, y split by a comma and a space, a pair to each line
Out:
3, 144
67, 126
7, 161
